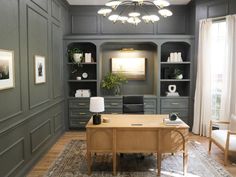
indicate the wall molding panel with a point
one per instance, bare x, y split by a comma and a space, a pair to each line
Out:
39, 135
43, 4
7, 154
37, 27
31, 116
58, 121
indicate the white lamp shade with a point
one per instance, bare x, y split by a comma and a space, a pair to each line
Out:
96, 104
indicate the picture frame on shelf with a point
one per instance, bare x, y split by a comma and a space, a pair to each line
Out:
7, 70
39, 69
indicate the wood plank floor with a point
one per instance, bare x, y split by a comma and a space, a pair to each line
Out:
42, 166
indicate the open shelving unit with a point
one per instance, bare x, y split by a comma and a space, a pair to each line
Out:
159, 74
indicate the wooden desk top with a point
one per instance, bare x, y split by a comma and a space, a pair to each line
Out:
135, 121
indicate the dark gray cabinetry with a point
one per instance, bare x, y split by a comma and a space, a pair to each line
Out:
78, 112
176, 105
113, 105
150, 104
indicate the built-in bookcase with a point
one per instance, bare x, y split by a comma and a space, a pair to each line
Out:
76, 70
168, 69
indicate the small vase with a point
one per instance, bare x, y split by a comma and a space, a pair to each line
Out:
179, 76
77, 57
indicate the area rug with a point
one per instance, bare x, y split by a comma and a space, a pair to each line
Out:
72, 163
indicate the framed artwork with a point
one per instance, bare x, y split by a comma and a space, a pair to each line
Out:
132, 68
7, 72
39, 69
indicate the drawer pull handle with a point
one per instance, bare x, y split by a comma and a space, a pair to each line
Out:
175, 103
114, 104
82, 104
82, 113
82, 122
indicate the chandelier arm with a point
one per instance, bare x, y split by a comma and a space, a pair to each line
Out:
124, 3
152, 3
144, 10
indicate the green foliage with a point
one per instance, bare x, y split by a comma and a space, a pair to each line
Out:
113, 81
72, 51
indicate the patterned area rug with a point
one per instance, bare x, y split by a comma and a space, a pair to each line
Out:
72, 163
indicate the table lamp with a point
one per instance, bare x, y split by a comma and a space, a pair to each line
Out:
96, 106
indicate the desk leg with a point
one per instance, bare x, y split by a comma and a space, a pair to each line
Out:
89, 162
185, 163
159, 164
114, 163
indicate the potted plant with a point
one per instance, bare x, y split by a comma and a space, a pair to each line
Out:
75, 55
113, 81
178, 74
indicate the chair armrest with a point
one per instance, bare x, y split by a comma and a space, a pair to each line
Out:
219, 122
231, 132
212, 122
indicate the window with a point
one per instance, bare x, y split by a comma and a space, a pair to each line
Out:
217, 62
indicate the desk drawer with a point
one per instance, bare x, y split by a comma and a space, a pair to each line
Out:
174, 103
79, 103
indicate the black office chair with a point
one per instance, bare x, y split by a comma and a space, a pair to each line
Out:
133, 105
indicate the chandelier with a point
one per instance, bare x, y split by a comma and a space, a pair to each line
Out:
134, 11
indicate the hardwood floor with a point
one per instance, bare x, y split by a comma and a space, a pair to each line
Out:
43, 165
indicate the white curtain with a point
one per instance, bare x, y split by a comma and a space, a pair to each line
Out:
228, 96
203, 95
202, 101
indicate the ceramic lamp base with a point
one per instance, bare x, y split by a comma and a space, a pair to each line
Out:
96, 119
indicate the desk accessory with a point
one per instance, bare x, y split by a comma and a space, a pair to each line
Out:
96, 106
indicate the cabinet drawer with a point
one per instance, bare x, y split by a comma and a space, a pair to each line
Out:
79, 103
113, 111
149, 111
79, 113
150, 103
174, 103
78, 123
113, 103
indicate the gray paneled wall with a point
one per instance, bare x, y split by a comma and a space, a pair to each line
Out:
86, 21
31, 116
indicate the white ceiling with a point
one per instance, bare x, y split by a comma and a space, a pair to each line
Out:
102, 2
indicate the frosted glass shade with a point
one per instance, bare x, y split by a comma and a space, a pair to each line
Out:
96, 104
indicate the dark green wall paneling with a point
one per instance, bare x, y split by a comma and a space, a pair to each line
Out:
85, 20
37, 26
9, 40
31, 116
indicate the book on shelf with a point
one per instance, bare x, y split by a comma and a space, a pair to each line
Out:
178, 121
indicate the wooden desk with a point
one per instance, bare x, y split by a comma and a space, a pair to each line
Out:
136, 134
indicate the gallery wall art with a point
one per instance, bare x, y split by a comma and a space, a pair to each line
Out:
39, 69
6, 69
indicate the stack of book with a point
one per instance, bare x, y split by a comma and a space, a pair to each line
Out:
178, 121
172, 94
